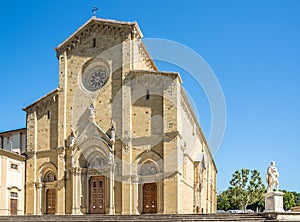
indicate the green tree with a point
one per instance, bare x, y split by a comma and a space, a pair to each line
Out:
297, 198
246, 188
288, 200
223, 202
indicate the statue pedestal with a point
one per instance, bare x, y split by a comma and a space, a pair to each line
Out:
274, 202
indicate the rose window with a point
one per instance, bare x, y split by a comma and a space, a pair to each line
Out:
98, 79
95, 78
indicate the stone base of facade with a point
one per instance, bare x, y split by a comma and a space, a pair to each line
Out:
295, 209
274, 202
283, 216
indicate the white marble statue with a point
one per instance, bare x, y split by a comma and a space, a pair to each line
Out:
72, 159
113, 133
72, 139
111, 158
72, 143
92, 111
272, 177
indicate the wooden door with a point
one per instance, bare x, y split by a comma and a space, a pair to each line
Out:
150, 198
97, 195
51, 201
13, 206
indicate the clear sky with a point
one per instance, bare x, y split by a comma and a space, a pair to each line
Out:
253, 47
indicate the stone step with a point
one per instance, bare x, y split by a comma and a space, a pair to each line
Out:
144, 217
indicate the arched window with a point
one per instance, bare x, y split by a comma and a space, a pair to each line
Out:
49, 177
148, 168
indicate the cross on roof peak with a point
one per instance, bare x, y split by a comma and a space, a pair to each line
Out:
95, 9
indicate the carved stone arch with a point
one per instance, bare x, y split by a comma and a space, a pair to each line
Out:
148, 168
92, 153
97, 60
49, 177
93, 157
92, 131
47, 180
86, 64
149, 157
45, 169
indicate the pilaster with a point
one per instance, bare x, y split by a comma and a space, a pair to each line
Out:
170, 149
38, 201
127, 194
112, 186
61, 195
75, 172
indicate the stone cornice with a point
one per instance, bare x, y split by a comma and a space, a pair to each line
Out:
105, 26
12, 155
135, 73
146, 57
22, 130
188, 108
48, 96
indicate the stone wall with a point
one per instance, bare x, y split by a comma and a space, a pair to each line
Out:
193, 144
42, 125
153, 122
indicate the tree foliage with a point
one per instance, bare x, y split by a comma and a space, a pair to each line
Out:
223, 202
288, 200
246, 188
297, 198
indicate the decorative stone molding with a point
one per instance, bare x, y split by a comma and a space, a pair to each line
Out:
14, 188
38, 185
76, 171
137, 73
12, 155
102, 27
146, 57
186, 110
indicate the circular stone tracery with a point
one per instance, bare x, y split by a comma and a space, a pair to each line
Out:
95, 78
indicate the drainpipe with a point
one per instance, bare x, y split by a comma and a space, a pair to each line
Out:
11, 145
1, 142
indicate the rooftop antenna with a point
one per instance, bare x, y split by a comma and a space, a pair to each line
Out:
95, 9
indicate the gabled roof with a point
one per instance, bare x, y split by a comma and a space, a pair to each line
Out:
55, 91
12, 131
74, 38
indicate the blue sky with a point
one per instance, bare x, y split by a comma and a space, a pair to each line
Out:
252, 46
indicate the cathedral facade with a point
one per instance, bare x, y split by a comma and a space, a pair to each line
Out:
117, 136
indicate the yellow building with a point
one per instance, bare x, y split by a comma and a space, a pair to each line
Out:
117, 136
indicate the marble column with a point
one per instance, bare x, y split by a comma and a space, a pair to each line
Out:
76, 197
136, 195
39, 187
111, 185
